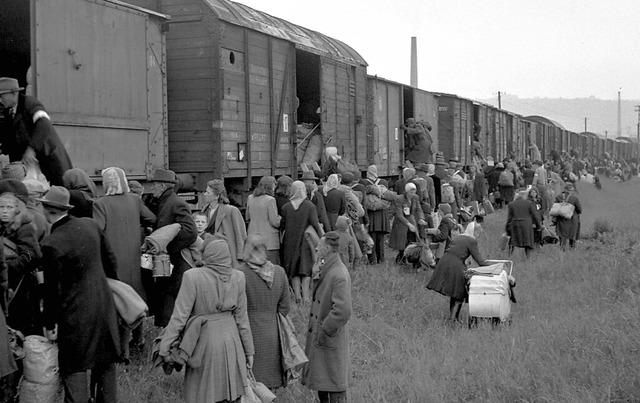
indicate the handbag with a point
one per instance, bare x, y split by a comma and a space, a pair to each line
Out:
563, 209
261, 392
293, 356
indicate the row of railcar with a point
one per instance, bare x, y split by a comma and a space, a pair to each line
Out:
213, 88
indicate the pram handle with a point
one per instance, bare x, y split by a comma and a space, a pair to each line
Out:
509, 262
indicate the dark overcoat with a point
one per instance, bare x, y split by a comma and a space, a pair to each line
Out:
448, 278
378, 219
297, 256
172, 210
120, 217
569, 228
327, 345
521, 217
77, 260
22, 132
263, 305
401, 221
335, 202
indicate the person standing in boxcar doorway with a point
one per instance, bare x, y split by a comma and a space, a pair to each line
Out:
417, 142
28, 125
171, 209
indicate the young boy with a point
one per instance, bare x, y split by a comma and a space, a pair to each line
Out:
346, 247
201, 221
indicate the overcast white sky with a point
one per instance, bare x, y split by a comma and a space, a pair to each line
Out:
475, 48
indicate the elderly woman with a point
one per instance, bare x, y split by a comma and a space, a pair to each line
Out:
21, 255
267, 296
335, 201
82, 190
262, 216
211, 316
224, 219
442, 234
521, 217
120, 214
568, 229
408, 214
448, 278
297, 216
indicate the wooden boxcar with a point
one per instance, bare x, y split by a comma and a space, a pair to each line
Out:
389, 105
239, 83
98, 67
455, 127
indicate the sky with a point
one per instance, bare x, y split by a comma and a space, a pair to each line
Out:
476, 48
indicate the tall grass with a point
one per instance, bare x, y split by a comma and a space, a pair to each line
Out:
575, 334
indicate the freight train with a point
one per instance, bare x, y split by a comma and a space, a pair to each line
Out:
215, 89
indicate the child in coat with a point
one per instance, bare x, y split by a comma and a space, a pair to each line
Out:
346, 248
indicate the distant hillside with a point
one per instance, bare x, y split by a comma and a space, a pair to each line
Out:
602, 115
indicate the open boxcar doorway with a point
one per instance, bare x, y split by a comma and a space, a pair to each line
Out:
308, 112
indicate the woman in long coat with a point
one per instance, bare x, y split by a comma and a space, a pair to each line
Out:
378, 219
211, 311
263, 218
448, 278
568, 229
224, 219
120, 214
521, 217
297, 215
267, 296
327, 345
408, 214
335, 201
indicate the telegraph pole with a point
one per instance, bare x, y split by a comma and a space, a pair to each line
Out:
638, 135
585, 124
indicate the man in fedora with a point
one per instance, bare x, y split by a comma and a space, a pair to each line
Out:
170, 209
79, 311
28, 125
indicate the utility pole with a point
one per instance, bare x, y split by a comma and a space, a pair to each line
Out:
638, 135
585, 124
499, 100
619, 115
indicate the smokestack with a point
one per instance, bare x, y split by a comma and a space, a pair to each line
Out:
414, 62
619, 115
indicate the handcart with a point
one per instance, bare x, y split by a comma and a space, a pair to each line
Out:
490, 292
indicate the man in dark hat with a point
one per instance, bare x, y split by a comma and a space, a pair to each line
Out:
170, 209
28, 126
79, 311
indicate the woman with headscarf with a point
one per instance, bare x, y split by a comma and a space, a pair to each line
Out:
568, 229
448, 278
521, 218
267, 296
408, 214
263, 218
335, 201
224, 219
535, 198
119, 213
378, 219
297, 216
210, 314
82, 191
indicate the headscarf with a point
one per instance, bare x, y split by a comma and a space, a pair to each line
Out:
114, 181
298, 194
469, 231
332, 183
77, 179
408, 173
255, 256
372, 173
216, 256
409, 186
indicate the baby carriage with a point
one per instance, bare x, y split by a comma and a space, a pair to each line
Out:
490, 292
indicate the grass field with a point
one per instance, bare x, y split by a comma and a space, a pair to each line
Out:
575, 335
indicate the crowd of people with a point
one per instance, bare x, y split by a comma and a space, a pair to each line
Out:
234, 270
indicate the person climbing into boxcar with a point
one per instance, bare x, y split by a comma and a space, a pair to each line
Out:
418, 142
448, 278
28, 125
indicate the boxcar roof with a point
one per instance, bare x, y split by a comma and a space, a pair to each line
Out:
303, 38
590, 134
542, 119
626, 139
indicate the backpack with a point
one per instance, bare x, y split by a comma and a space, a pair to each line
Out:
375, 203
446, 193
505, 178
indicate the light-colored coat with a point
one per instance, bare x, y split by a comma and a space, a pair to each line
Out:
327, 344
229, 222
262, 216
